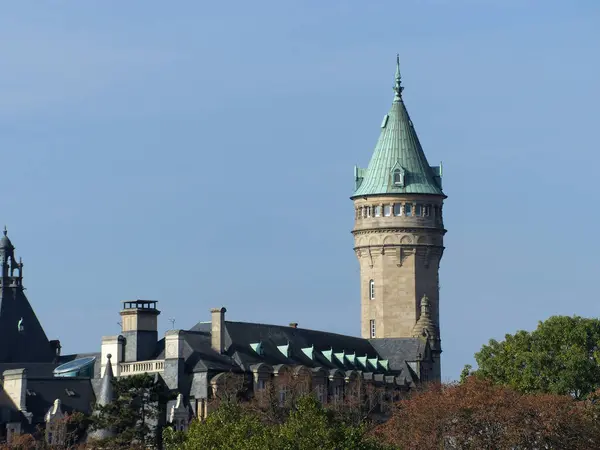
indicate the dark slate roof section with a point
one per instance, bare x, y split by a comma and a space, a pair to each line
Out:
240, 335
29, 345
399, 350
198, 353
32, 369
75, 394
238, 352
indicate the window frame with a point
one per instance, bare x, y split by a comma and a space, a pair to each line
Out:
371, 289
373, 330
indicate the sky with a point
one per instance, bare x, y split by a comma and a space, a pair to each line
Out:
201, 154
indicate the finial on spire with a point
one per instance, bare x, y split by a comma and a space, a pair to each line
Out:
5, 231
398, 85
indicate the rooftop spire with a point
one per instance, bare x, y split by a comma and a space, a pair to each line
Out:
106, 394
398, 86
398, 150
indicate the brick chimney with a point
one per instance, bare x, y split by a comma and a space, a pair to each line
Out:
218, 329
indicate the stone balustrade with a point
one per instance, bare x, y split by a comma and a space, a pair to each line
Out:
140, 367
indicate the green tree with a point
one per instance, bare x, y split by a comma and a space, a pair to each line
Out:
134, 414
229, 427
560, 357
311, 426
235, 426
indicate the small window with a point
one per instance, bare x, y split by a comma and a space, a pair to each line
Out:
387, 210
407, 209
372, 323
378, 211
397, 209
418, 210
372, 289
261, 384
368, 211
398, 178
427, 210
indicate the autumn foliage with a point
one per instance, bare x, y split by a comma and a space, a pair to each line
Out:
480, 415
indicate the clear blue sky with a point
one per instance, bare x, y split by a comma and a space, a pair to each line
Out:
201, 154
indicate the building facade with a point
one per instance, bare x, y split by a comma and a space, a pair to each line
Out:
399, 234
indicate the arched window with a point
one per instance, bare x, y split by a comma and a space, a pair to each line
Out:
372, 289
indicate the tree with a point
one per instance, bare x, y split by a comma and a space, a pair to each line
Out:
238, 426
133, 416
560, 357
478, 414
229, 427
311, 426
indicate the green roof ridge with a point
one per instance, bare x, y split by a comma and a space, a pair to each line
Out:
398, 151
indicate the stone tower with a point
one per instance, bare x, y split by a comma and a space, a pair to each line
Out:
398, 234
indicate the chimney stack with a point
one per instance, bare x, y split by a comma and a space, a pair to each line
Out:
217, 330
294, 324
15, 385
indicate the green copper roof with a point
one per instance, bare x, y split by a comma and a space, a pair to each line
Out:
398, 164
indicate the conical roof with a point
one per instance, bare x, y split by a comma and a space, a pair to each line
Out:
106, 395
399, 151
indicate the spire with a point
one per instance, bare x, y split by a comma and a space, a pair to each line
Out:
398, 164
106, 394
105, 397
398, 86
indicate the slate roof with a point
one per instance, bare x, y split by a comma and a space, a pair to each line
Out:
75, 394
198, 354
32, 369
30, 344
239, 353
398, 147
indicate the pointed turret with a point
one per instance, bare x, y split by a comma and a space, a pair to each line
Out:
425, 326
105, 396
398, 164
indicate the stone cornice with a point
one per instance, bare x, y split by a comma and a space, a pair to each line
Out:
404, 246
441, 231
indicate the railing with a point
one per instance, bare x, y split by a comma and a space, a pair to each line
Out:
139, 367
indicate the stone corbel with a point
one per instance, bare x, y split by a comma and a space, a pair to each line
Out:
400, 252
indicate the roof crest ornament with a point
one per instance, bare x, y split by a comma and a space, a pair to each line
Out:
398, 85
5, 231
